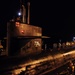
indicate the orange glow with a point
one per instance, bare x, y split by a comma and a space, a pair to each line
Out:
17, 24
22, 31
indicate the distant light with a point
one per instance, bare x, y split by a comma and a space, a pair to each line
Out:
19, 13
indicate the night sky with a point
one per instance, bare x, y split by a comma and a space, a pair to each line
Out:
57, 18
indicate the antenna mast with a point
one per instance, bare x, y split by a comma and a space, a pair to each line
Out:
23, 12
28, 19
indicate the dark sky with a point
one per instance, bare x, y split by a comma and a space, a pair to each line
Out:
57, 18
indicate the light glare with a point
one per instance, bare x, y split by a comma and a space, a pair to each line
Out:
19, 13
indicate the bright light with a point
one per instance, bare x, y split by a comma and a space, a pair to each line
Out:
19, 13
